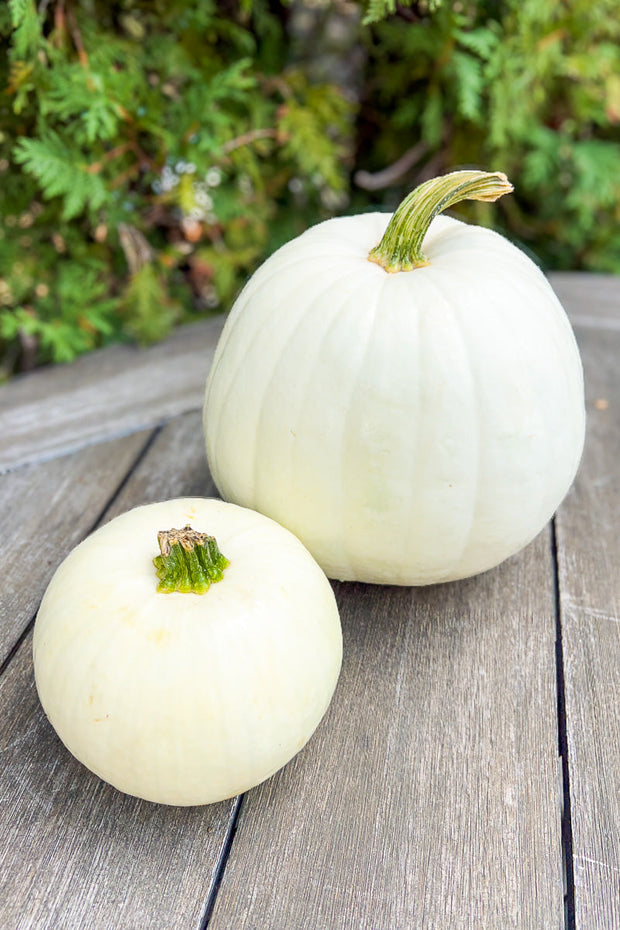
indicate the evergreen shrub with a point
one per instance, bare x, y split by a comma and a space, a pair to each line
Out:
153, 152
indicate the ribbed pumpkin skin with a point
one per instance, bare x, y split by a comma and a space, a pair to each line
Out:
409, 428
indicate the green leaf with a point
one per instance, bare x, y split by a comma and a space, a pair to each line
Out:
50, 161
482, 42
468, 83
378, 10
19, 10
81, 96
314, 124
432, 117
27, 35
381, 9
147, 306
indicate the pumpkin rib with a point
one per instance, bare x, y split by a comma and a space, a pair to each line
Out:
346, 486
509, 255
307, 397
282, 354
474, 489
449, 237
247, 346
413, 500
100, 652
466, 274
553, 326
353, 241
282, 300
513, 256
238, 314
461, 275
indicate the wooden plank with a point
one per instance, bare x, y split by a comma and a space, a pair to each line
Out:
104, 395
429, 796
74, 852
591, 300
46, 510
176, 466
589, 579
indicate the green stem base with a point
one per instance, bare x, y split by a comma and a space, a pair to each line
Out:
190, 562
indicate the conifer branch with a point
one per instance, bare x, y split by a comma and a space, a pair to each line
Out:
77, 36
247, 138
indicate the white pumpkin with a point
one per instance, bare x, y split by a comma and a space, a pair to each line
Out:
186, 698
409, 426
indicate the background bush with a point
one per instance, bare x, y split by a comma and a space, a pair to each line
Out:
153, 153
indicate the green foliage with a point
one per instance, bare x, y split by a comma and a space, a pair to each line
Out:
73, 310
378, 10
49, 161
146, 290
530, 87
153, 152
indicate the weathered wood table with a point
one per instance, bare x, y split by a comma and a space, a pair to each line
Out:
467, 774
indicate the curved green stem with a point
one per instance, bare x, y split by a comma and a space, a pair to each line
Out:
189, 562
401, 246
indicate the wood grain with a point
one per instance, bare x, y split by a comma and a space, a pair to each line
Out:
75, 853
429, 797
591, 300
107, 394
176, 466
589, 577
46, 510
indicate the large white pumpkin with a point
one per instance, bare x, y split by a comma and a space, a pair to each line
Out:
185, 698
409, 427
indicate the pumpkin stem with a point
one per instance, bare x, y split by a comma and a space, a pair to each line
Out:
189, 562
401, 246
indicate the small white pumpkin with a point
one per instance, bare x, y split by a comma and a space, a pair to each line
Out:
185, 698
412, 416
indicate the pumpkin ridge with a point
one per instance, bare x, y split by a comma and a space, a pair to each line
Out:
346, 484
475, 483
412, 496
240, 318
226, 388
466, 274
306, 395
292, 335
242, 315
552, 325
